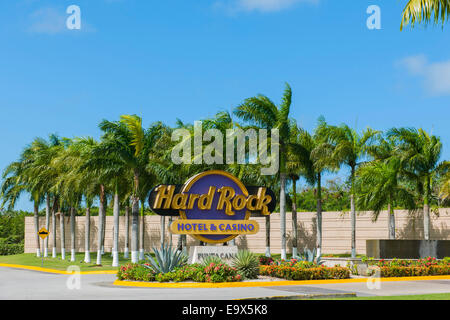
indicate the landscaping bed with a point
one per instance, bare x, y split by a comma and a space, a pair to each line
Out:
259, 269
409, 268
302, 270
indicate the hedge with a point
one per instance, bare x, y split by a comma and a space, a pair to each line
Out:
414, 271
195, 272
298, 273
7, 249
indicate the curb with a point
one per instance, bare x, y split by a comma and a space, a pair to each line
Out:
306, 296
191, 285
54, 271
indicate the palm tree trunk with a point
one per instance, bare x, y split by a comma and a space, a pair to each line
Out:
72, 234
127, 232
62, 227
319, 215
101, 227
87, 237
54, 209
141, 233
170, 233
283, 214
426, 211
426, 221
47, 224
180, 243
391, 222
115, 251
135, 230
36, 228
105, 205
184, 242
353, 213
163, 230
268, 236
294, 218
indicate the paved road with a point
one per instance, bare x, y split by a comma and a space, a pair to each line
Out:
25, 284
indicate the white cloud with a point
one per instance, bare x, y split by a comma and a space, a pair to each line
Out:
259, 5
48, 20
435, 75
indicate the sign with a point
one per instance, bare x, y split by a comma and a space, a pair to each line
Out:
43, 233
213, 206
200, 253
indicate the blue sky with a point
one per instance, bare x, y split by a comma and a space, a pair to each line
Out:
185, 59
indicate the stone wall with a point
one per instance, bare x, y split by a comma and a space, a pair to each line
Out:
336, 231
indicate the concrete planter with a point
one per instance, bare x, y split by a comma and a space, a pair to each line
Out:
407, 249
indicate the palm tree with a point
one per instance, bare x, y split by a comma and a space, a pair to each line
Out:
263, 113
345, 146
42, 173
20, 177
421, 153
313, 160
445, 187
379, 184
297, 158
80, 179
424, 11
46, 152
128, 140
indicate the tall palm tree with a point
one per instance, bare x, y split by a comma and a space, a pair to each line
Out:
425, 11
346, 146
314, 160
77, 182
263, 113
42, 152
297, 158
20, 177
46, 174
379, 184
421, 153
129, 141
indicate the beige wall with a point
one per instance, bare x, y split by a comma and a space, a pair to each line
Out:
336, 231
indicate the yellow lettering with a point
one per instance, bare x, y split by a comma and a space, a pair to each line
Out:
239, 202
179, 201
226, 194
263, 201
192, 199
206, 200
250, 205
165, 193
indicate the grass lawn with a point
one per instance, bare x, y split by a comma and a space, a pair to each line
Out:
30, 259
433, 296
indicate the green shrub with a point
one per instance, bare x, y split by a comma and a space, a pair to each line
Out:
221, 273
166, 260
247, 264
211, 259
300, 271
265, 261
415, 271
7, 248
425, 262
193, 272
135, 272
